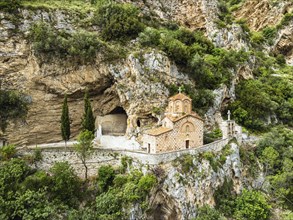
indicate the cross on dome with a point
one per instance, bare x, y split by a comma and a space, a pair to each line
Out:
179, 89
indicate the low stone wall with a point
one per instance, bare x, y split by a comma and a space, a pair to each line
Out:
153, 159
112, 157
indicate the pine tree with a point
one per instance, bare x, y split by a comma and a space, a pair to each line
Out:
65, 121
88, 121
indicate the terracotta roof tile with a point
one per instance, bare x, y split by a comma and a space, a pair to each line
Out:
179, 96
174, 119
158, 131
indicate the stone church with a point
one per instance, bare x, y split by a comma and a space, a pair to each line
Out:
181, 128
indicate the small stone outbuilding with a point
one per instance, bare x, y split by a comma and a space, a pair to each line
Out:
181, 128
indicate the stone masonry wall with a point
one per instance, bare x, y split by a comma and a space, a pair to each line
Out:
112, 157
176, 139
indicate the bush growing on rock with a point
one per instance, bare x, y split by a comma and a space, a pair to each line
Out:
65, 183
118, 21
80, 45
251, 205
106, 175
208, 213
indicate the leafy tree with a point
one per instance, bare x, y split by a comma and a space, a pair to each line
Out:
12, 105
269, 157
65, 121
106, 175
84, 147
7, 152
65, 183
88, 121
275, 152
38, 180
109, 205
32, 205
251, 205
12, 173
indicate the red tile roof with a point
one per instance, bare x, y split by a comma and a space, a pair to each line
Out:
193, 114
158, 131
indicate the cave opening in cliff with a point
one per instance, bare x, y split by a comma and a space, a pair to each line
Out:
114, 123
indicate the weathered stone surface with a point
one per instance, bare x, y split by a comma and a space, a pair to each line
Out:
136, 83
260, 14
284, 43
179, 193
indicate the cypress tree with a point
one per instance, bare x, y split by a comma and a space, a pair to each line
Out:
88, 121
65, 121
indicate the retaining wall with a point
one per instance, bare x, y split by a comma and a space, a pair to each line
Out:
102, 156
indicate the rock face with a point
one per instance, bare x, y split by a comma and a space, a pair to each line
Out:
136, 83
129, 83
284, 43
260, 14
181, 193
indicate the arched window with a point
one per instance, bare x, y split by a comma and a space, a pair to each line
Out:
186, 106
187, 128
177, 106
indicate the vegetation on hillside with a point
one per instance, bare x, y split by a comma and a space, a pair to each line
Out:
27, 193
112, 30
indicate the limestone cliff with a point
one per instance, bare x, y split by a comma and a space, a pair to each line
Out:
184, 188
137, 83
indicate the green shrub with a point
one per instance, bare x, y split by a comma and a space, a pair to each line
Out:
150, 37
7, 152
127, 190
211, 157
251, 205
118, 21
186, 163
120, 180
109, 205
146, 183
9, 5
30, 205
106, 175
38, 155
276, 152
126, 162
212, 136
38, 180
257, 38
66, 185
254, 104
81, 45
269, 33
285, 20
208, 213
175, 49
